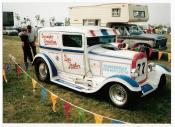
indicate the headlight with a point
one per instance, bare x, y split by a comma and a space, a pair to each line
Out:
151, 66
134, 73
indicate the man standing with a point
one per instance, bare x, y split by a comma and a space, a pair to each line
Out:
32, 38
25, 45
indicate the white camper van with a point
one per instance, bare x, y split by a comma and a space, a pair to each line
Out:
107, 14
120, 16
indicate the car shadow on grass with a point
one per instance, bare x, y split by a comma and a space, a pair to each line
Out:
153, 100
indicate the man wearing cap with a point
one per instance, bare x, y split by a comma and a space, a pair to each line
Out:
25, 45
32, 38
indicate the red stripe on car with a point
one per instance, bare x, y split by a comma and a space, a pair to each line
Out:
92, 33
139, 55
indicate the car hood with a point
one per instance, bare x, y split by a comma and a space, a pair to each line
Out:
154, 36
123, 54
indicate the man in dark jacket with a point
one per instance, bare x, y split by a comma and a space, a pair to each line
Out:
32, 38
25, 45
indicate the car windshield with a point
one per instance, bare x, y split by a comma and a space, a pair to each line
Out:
134, 30
129, 29
100, 40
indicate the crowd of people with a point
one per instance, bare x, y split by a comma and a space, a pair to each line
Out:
28, 38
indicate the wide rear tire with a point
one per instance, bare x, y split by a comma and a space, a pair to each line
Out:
162, 83
120, 95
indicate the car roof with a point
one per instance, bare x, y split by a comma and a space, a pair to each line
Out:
89, 31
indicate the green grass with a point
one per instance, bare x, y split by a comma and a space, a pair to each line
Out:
21, 106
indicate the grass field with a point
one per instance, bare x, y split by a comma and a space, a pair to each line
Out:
21, 106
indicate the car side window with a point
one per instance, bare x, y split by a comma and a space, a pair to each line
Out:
72, 40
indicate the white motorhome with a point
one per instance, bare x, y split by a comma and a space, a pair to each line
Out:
107, 14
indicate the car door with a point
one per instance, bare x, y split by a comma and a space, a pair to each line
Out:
73, 53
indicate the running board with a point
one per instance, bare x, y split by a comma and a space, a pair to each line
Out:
146, 89
69, 85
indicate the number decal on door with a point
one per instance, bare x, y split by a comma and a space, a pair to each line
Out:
138, 68
141, 67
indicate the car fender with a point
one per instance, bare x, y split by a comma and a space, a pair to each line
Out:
52, 69
162, 69
127, 81
155, 75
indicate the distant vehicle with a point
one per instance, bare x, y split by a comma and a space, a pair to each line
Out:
133, 35
143, 28
107, 14
58, 24
11, 31
87, 59
115, 15
8, 19
17, 28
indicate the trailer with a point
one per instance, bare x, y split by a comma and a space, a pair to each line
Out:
8, 19
107, 14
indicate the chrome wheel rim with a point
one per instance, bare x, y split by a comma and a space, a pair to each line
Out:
43, 70
118, 94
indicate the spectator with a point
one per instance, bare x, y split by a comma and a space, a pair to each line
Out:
150, 29
32, 38
25, 45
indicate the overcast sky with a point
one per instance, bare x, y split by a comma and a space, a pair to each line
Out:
159, 13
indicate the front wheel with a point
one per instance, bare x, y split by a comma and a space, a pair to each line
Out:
162, 83
41, 70
120, 95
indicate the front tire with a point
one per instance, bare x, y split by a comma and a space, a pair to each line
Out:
41, 70
162, 83
120, 95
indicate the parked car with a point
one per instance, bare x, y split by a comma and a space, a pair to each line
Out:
10, 31
87, 59
18, 29
58, 24
134, 36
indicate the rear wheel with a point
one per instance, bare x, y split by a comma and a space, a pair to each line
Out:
162, 83
41, 70
120, 95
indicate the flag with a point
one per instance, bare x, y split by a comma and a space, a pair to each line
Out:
4, 75
136, 49
159, 55
26, 66
43, 94
8, 67
67, 108
26, 75
150, 51
34, 85
169, 57
18, 71
80, 116
98, 118
54, 101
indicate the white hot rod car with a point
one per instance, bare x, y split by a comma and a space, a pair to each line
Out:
87, 59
